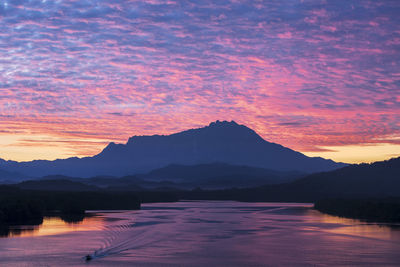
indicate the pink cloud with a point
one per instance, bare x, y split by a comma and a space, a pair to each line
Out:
111, 71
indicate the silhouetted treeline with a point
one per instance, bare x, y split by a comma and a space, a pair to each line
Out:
377, 210
23, 206
20, 211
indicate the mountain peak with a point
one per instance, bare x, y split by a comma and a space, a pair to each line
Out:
223, 123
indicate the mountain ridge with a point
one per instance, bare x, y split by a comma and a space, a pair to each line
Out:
220, 141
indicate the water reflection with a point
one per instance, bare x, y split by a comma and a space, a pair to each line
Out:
72, 218
53, 226
354, 227
205, 233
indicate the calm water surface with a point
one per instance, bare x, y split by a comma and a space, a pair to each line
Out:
205, 233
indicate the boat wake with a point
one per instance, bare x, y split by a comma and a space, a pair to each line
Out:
130, 235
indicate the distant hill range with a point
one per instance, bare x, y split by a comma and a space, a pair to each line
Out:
223, 142
376, 180
172, 177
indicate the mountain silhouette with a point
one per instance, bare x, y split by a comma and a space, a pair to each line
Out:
225, 142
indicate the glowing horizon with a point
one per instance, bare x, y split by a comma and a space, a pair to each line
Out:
322, 78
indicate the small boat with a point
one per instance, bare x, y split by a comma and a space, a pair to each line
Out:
88, 257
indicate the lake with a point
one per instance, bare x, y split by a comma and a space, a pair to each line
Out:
204, 233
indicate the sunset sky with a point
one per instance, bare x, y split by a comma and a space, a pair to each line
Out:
320, 77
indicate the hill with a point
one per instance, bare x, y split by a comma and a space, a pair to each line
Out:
219, 175
375, 180
56, 185
177, 172
379, 179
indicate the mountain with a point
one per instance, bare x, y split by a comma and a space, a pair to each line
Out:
226, 142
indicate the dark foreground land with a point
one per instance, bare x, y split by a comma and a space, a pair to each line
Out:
18, 206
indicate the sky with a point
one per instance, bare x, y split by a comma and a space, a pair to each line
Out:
319, 77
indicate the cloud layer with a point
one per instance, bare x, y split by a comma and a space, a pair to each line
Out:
306, 74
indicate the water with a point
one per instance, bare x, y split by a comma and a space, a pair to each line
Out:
205, 233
